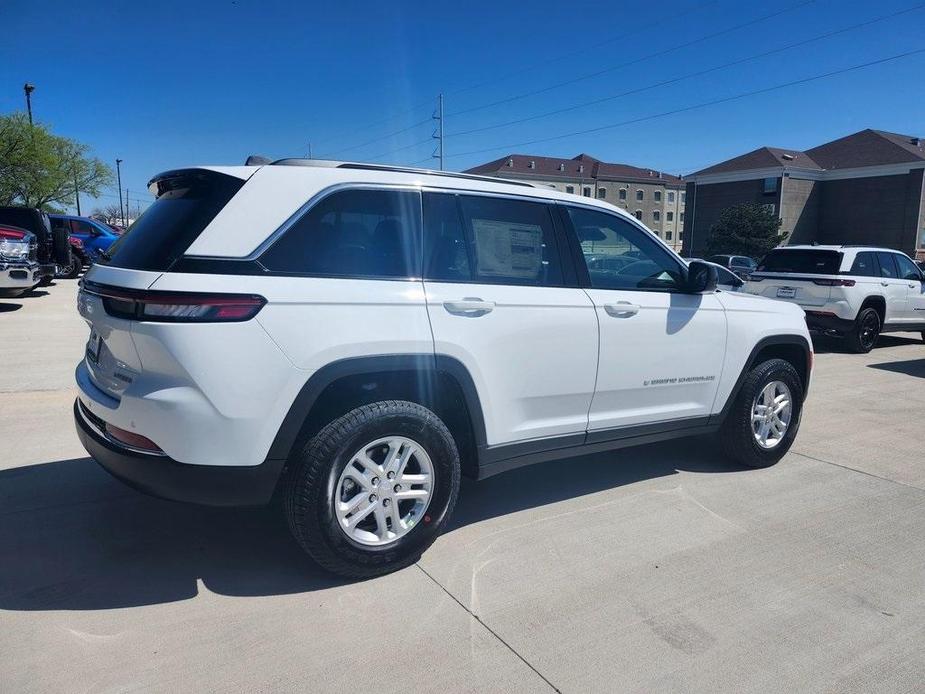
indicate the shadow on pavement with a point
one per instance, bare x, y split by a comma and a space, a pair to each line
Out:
34, 293
823, 344
912, 367
7, 308
72, 538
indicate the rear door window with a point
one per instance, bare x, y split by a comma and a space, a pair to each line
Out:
509, 241
865, 265
186, 203
444, 241
353, 233
887, 265
800, 261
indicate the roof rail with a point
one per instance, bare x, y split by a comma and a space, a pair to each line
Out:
399, 169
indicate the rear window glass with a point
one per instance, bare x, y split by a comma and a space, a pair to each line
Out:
801, 261
186, 204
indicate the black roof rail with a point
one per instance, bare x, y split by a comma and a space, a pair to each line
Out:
397, 169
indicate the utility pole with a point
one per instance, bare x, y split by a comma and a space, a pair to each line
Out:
438, 132
310, 151
119, 182
28, 89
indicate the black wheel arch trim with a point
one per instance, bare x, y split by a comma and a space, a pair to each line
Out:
301, 407
770, 341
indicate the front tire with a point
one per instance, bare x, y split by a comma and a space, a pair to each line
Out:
765, 416
373, 489
866, 331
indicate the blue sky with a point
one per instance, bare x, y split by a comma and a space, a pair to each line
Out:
168, 84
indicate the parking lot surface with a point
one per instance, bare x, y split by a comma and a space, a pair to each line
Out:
649, 569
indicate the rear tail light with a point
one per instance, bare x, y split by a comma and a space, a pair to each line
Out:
171, 307
14, 234
834, 283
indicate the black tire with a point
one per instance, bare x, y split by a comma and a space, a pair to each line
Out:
71, 270
866, 331
308, 498
737, 436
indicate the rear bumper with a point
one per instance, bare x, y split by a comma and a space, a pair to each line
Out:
158, 475
818, 321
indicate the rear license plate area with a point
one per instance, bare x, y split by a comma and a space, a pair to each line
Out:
786, 292
93, 347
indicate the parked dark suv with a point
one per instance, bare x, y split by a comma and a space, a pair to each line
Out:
53, 248
741, 265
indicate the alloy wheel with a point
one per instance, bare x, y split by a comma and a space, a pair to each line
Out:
771, 413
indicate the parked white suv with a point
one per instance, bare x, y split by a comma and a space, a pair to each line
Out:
855, 292
352, 338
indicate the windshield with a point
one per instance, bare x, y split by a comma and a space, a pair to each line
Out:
802, 261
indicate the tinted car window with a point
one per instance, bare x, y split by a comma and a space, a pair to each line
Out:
444, 242
619, 255
865, 265
801, 261
79, 226
907, 269
353, 233
185, 205
510, 241
887, 265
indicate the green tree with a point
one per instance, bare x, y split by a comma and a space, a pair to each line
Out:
40, 169
745, 229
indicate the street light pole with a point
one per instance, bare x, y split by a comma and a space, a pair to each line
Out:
28, 89
119, 181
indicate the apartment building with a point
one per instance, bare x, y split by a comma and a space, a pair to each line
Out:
865, 188
654, 197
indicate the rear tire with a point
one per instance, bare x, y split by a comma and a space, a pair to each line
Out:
321, 487
866, 331
776, 382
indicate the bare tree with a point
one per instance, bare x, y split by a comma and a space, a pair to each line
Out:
111, 214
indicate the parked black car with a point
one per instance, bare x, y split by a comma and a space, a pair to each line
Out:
53, 248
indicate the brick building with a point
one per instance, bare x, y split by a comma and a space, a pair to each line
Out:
656, 198
865, 188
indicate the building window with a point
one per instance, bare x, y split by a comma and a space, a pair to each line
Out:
683, 198
770, 185
681, 216
640, 195
569, 189
656, 215
680, 235
586, 192
670, 196
669, 216
601, 193
638, 214
668, 236
623, 193
658, 195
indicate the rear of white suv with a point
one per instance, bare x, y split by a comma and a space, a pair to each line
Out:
852, 292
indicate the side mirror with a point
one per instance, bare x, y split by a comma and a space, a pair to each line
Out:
701, 278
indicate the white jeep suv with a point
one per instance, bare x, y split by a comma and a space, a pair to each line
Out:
350, 339
855, 292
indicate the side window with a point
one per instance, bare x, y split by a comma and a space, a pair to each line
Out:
907, 269
510, 241
57, 223
81, 227
353, 233
887, 265
619, 255
865, 265
445, 250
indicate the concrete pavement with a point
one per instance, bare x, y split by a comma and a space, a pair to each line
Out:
657, 568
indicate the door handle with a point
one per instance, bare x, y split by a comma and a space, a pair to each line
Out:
913, 286
884, 284
621, 309
470, 306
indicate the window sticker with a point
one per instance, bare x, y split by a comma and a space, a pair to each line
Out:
508, 249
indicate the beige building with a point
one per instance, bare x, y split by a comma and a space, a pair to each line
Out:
654, 197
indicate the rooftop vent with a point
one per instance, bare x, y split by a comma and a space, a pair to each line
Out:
787, 157
510, 162
561, 167
581, 168
532, 164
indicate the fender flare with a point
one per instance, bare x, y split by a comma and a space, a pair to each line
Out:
298, 412
771, 341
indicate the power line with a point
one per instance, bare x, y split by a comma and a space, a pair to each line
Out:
693, 107
377, 139
402, 149
689, 75
390, 119
592, 47
635, 61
